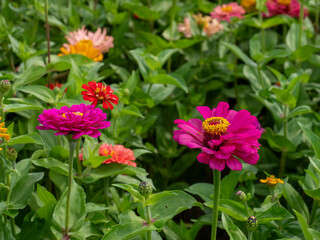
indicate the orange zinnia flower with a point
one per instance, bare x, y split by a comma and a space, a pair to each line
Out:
271, 181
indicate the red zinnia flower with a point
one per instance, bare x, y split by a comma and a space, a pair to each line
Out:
98, 93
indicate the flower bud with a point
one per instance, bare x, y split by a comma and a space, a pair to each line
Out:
252, 223
5, 85
241, 197
145, 189
12, 154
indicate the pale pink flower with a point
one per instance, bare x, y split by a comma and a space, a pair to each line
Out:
212, 26
227, 11
185, 27
118, 153
99, 38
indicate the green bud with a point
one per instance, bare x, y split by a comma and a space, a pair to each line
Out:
5, 85
12, 154
145, 189
126, 91
241, 197
252, 223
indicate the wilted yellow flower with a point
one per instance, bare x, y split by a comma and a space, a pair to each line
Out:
3, 132
271, 181
249, 5
83, 47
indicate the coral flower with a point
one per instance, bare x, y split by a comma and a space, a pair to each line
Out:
227, 11
118, 153
271, 181
100, 39
77, 120
224, 136
185, 27
287, 7
248, 5
84, 47
210, 25
3, 132
98, 93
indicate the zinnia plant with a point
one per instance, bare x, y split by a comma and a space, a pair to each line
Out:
118, 153
98, 93
287, 7
227, 11
225, 136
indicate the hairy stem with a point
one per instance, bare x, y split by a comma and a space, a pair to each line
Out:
48, 40
301, 21
79, 170
283, 154
216, 196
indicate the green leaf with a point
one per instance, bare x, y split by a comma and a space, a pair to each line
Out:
273, 213
154, 198
292, 38
77, 208
112, 169
281, 144
27, 138
133, 189
43, 93
95, 161
233, 231
131, 110
300, 110
172, 79
315, 163
229, 182
203, 190
30, 75
236, 50
232, 208
16, 107
44, 195
313, 138
304, 226
165, 55
129, 227
23, 189
305, 53
53, 164
295, 200
284, 96
169, 206
143, 12
5, 232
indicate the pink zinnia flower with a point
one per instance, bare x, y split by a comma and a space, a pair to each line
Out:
118, 153
212, 26
77, 120
100, 39
287, 7
185, 27
227, 11
224, 136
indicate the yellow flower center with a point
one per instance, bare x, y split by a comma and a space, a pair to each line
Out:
215, 125
226, 8
107, 153
271, 181
84, 47
248, 3
284, 2
75, 113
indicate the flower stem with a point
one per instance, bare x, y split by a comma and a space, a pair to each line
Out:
172, 16
216, 196
260, 76
148, 215
106, 183
314, 210
283, 154
48, 39
72, 146
316, 21
247, 209
262, 35
301, 21
250, 235
79, 170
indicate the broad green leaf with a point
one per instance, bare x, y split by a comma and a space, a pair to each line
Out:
236, 50
112, 169
95, 161
5, 232
313, 138
16, 107
304, 226
292, 38
3, 207
295, 200
165, 55
44, 195
233, 209
131, 110
143, 12
281, 144
229, 183
233, 231
30, 75
172, 79
203, 190
41, 92
284, 96
273, 213
77, 208
129, 227
27, 138
154, 198
299, 110
53, 164
169, 206
133, 189
23, 189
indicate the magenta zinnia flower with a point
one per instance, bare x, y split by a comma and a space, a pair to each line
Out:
77, 120
224, 136
287, 7
227, 11
99, 39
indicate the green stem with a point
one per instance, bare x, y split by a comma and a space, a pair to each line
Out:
79, 170
219, 2
314, 210
11, 61
283, 154
301, 21
13, 227
3, 119
72, 146
106, 183
247, 209
250, 235
148, 215
172, 16
316, 20
262, 35
260, 76
216, 196
86, 172
48, 39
